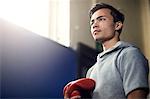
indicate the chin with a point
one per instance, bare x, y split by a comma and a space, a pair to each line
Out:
98, 39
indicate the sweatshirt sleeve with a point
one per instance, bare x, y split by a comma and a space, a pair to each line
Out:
134, 70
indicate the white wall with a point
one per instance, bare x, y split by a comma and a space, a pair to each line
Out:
79, 23
145, 15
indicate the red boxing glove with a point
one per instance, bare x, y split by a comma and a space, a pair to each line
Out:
75, 95
80, 88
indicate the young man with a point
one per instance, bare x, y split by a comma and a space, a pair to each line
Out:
121, 70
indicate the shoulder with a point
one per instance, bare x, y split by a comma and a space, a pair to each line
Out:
129, 49
131, 59
131, 53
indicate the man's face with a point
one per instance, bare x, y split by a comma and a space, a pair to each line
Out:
102, 25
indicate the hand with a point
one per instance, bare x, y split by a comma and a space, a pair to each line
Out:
79, 88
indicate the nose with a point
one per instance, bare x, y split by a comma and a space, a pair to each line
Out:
95, 24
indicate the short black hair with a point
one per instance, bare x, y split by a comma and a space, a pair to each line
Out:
117, 15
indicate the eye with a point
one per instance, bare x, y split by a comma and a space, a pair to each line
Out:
91, 22
101, 19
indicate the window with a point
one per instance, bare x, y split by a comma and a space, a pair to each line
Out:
48, 18
60, 21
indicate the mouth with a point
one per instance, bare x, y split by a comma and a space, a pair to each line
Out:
95, 32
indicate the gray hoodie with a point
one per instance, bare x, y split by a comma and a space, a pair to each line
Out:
118, 71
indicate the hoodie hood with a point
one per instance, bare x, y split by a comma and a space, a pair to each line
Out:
117, 46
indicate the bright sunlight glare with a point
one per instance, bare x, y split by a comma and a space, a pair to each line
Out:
31, 14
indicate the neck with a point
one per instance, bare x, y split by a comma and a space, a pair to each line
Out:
110, 43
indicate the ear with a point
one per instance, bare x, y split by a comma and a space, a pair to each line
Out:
118, 25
